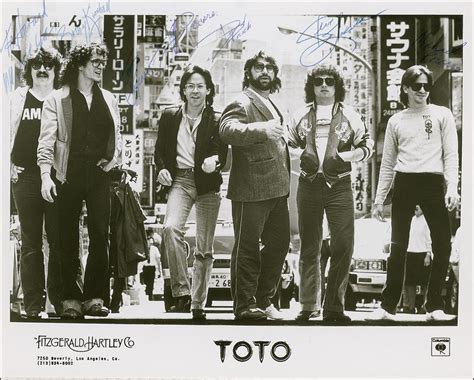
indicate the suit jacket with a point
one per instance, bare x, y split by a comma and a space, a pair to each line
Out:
207, 144
56, 130
260, 167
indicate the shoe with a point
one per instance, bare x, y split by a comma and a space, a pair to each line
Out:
380, 315
199, 315
439, 315
71, 309
251, 315
34, 315
71, 313
306, 315
334, 316
183, 305
97, 310
272, 313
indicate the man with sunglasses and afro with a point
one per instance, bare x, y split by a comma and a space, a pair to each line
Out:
41, 74
421, 152
331, 135
78, 145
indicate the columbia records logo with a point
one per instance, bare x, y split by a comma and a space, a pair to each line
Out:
440, 346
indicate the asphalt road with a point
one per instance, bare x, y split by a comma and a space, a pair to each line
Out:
153, 312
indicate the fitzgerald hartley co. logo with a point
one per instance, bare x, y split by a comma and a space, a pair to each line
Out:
83, 344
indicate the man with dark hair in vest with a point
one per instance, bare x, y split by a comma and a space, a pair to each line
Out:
78, 145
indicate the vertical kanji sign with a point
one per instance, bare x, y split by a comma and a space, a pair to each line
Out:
398, 54
119, 36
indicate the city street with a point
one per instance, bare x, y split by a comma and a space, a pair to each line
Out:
153, 312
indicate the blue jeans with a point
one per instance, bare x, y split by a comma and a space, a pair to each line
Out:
182, 197
32, 211
313, 199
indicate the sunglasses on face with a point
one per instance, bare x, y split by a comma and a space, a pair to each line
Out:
98, 62
418, 86
258, 67
47, 65
319, 81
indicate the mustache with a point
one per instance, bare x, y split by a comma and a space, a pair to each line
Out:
40, 74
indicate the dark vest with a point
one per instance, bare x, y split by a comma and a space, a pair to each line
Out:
90, 128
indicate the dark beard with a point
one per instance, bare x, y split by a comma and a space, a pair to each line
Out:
259, 86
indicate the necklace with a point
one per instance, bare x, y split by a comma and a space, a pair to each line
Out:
192, 118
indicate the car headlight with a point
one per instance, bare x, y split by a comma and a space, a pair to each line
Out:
376, 265
361, 265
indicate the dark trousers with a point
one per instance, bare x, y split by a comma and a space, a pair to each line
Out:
32, 211
426, 190
149, 279
255, 272
90, 183
313, 199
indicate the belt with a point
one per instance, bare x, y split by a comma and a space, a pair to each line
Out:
184, 171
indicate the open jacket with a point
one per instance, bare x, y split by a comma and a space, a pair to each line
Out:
260, 166
347, 132
56, 131
17, 103
207, 144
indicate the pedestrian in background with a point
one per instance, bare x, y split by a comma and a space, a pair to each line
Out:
332, 135
259, 185
78, 145
421, 150
188, 158
41, 75
418, 264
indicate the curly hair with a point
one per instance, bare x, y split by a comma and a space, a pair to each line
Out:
410, 76
328, 70
276, 83
45, 55
207, 78
79, 56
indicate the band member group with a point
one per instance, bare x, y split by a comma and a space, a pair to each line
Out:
66, 149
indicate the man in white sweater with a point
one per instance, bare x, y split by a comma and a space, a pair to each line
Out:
421, 148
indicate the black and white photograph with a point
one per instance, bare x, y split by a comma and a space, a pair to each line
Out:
236, 189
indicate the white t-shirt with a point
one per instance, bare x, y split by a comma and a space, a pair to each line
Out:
323, 124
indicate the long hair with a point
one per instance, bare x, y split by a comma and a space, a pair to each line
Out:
410, 76
276, 83
328, 70
207, 78
79, 56
45, 55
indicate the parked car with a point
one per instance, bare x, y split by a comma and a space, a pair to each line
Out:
368, 270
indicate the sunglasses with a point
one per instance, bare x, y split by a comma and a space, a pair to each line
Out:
329, 81
418, 86
98, 62
47, 65
260, 66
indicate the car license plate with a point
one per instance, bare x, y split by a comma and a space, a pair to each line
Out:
220, 281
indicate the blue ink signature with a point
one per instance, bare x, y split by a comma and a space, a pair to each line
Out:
326, 33
171, 44
434, 55
89, 26
231, 31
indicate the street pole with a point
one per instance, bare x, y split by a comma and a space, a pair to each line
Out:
373, 131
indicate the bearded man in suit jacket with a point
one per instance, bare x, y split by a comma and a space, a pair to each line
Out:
259, 185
